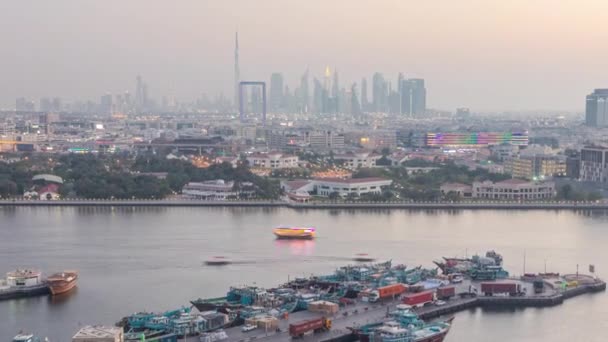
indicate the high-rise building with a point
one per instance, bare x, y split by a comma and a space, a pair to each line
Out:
413, 97
276, 91
364, 102
45, 104
379, 93
596, 113
237, 71
594, 164
355, 106
24, 105
106, 104
304, 96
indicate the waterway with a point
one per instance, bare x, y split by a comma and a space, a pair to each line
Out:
134, 259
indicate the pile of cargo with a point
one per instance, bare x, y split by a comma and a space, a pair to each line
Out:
265, 322
324, 307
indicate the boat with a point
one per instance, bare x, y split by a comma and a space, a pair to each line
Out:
62, 282
218, 261
22, 337
404, 326
23, 283
363, 257
289, 232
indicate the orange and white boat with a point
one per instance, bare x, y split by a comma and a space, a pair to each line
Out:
289, 232
62, 282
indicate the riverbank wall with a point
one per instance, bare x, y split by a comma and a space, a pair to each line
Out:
472, 205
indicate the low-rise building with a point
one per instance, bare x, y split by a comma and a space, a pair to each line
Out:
356, 186
98, 333
216, 190
356, 160
514, 189
458, 189
536, 166
273, 160
323, 187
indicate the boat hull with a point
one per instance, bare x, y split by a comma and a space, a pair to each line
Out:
30, 291
62, 282
294, 237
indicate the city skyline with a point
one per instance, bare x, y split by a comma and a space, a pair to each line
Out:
515, 56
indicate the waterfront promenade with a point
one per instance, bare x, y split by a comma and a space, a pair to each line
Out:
178, 202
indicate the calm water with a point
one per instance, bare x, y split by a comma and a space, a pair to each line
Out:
133, 259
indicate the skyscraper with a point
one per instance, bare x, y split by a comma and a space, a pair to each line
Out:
355, 107
304, 93
379, 93
364, 102
596, 111
276, 91
237, 71
413, 96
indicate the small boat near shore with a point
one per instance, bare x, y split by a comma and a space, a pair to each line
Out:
291, 232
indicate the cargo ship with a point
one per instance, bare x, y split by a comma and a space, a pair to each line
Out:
288, 232
23, 283
62, 282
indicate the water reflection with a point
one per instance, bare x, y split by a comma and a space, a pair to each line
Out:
62, 299
296, 247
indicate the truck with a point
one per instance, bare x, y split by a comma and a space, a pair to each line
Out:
316, 325
539, 286
493, 288
389, 291
446, 292
418, 299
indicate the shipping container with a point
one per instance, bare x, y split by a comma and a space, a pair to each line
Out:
391, 290
418, 299
446, 292
301, 328
500, 287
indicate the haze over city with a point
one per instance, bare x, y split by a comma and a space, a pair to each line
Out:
489, 56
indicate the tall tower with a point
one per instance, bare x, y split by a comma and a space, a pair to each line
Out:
237, 71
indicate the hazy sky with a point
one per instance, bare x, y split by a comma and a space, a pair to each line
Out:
484, 54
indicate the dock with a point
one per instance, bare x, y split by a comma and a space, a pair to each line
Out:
361, 313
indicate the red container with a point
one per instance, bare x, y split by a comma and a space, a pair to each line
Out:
446, 292
502, 287
418, 299
391, 290
300, 328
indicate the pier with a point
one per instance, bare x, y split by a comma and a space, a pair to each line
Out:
353, 316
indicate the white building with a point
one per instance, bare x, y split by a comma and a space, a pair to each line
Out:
215, 190
325, 186
344, 187
356, 160
98, 333
514, 189
274, 160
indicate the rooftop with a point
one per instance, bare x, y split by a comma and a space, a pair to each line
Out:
98, 331
352, 180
